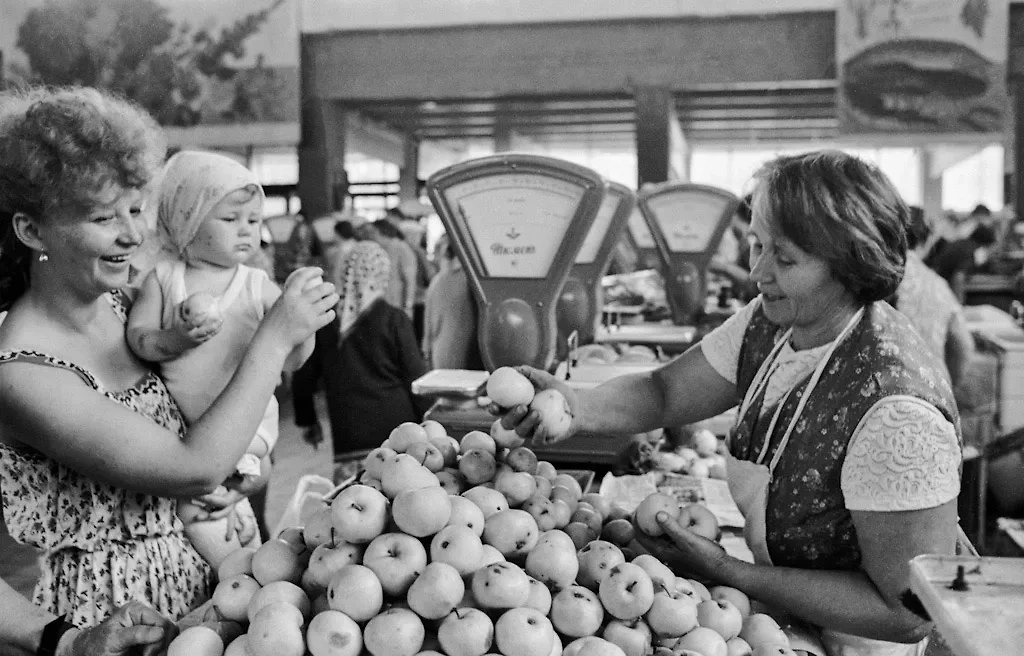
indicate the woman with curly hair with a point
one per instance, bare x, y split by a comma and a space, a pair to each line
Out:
93, 450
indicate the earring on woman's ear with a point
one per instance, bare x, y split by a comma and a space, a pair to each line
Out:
43, 257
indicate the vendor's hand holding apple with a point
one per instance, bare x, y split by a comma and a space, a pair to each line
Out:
686, 551
551, 416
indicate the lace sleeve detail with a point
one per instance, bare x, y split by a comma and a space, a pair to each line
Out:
722, 345
903, 456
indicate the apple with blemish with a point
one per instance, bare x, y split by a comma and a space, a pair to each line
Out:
488, 499
437, 591
633, 637
501, 586
466, 632
597, 558
356, 591
627, 592
477, 466
513, 532
576, 612
359, 513
458, 546
553, 560
395, 632
397, 559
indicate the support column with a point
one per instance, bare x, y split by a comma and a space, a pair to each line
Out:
322, 176
931, 184
1017, 98
408, 173
655, 113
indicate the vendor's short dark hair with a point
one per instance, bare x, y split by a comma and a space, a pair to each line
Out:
842, 209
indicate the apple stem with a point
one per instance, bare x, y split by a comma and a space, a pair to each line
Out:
629, 588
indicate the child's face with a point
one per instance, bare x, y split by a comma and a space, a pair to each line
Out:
230, 234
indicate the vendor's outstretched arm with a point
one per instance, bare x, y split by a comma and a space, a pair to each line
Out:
872, 601
683, 391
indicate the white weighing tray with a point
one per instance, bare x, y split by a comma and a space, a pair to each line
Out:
450, 382
986, 618
646, 334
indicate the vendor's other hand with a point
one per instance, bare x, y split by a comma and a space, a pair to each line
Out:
305, 306
526, 422
685, 552
132, 628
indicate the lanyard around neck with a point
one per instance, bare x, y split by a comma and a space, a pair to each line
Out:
760, 383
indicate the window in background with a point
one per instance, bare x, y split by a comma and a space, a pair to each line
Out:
977, 179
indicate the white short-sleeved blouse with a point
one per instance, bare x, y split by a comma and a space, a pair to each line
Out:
904, 454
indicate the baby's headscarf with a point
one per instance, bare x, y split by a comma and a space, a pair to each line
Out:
191, 184
366, 271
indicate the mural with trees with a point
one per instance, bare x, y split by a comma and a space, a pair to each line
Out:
184, 76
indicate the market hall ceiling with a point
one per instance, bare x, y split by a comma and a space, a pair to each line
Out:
732, 79
741, 113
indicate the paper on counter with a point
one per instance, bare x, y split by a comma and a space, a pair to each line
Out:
629, 491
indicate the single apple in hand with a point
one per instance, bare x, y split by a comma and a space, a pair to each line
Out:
199, 308
647, 512
697, 518
509, 388
555, 415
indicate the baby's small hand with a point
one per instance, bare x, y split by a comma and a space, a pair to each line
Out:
202, 332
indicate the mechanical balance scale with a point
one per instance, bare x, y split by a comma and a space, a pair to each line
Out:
684, 223
534, 235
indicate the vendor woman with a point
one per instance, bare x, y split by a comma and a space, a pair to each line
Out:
846, 452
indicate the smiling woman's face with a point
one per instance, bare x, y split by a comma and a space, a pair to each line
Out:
797, 288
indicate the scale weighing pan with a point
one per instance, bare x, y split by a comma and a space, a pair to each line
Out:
687, 222
517, 222
579, 305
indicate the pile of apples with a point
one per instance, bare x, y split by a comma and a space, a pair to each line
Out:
471, 547
701, 456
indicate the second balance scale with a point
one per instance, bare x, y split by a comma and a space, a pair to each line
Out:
685, 222
518, 222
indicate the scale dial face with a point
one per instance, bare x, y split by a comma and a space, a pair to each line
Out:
516, 221
688, 219
641, 234
592, 244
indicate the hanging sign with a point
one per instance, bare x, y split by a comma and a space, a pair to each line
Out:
922, 65
517, 222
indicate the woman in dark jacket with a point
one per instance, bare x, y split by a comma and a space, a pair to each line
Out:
368, 358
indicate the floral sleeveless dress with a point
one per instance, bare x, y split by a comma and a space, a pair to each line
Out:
102, 546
